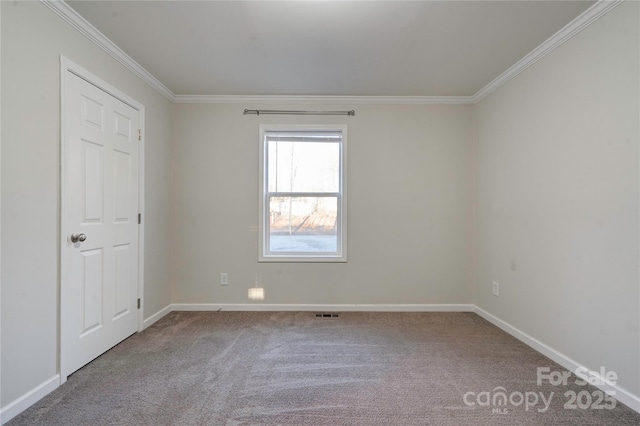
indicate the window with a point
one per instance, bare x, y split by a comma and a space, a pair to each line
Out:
302, 194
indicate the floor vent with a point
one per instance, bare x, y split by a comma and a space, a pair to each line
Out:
327, 315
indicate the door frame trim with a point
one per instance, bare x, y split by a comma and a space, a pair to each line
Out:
68, 66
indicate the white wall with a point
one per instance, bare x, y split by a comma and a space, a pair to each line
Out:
33, 38
408, 199
556, 198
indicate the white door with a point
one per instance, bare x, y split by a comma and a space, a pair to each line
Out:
99, 259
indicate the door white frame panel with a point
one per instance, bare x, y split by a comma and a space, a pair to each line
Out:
66, 67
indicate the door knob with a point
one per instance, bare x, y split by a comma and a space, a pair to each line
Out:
78, 237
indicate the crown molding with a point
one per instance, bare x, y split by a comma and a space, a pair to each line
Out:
334, 100
568, 31
63, 10
600, 8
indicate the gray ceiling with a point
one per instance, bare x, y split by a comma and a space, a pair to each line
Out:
348, 48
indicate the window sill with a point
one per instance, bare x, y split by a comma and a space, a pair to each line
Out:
302, 259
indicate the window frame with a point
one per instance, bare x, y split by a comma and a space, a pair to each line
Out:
264, 255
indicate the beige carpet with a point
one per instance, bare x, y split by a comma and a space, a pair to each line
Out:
264, 368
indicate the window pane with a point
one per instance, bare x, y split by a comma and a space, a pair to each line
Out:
303, 166
303, 224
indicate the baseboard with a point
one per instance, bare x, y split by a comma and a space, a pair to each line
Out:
155, 317
622, 395
322, 307
28, 399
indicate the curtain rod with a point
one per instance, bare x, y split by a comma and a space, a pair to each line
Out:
283, 112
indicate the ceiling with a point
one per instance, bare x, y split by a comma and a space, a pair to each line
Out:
327, 48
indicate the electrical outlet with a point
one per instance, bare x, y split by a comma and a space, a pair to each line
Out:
224, 278
496, 289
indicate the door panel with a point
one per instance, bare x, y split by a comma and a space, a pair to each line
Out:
91, 275
93, 182
122, 177
122, 126
92, 112
123, 278
99, 288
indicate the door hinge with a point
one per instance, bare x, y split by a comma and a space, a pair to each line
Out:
139, 134
138, 303
139, 218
